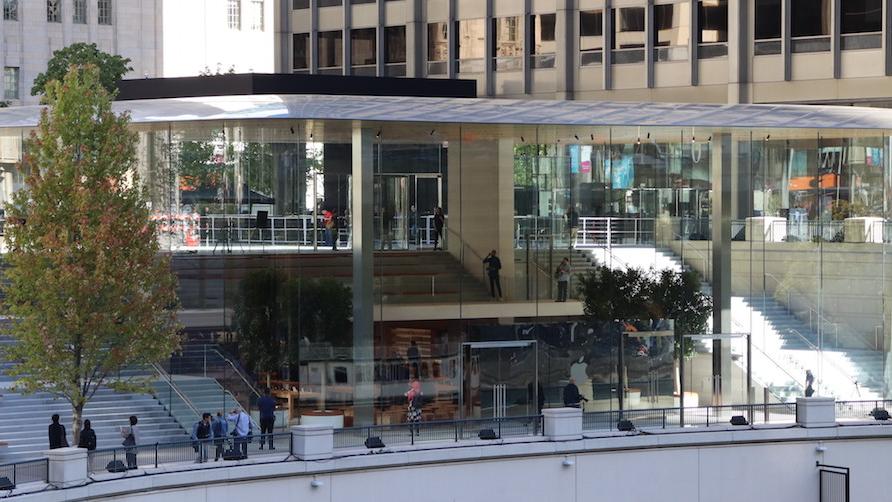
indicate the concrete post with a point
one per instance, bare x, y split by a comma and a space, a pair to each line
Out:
562, 424
67, 467
816, 412
313, 442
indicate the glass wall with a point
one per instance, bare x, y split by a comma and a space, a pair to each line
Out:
672, 31
469, 226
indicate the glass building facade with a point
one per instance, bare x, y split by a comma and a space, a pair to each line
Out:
337, 245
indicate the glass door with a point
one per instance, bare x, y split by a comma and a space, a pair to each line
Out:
426, 198
391, 212
500, 379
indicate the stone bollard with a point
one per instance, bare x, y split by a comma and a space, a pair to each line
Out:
816, 412
67, 467
562, 424
313, 442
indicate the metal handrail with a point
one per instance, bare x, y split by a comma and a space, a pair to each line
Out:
237, 371
169, 379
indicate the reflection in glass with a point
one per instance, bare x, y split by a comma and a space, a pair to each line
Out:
507, 43
331, 49
470, 48
437, 48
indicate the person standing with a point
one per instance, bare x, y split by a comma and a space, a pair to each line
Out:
267, 407
572, 397
573, 225
240, 430
220, 429
131, 440
439, 223
493, 266
563, 279
809, 383
414, 357
335, 228
201, 435
88, 437
56, 432
413, 407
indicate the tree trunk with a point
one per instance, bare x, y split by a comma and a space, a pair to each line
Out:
77, 420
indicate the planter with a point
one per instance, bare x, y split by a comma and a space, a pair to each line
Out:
330, 418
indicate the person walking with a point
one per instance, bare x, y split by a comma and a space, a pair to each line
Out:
240, 430
267, 407
809, 383
493, 266
572, 397
413, 407
439, 223
201, 435
88, 437
131, 440
573, 225
56, 432
562, 274
220, 429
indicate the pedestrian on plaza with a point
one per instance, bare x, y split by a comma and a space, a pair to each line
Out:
573, 225
241, 430
562, 274
88, 437
56, 433
439, 223
809, 383
335, 228
493, 266
413, 407
131, 440
267, 407
220, 429
201, 435
572, 397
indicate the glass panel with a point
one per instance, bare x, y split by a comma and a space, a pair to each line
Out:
591, 30
591, 58
861, 16
331, 49
395, 44
819, 44
768, 19
671, 31
810, 18
499, 381
712, 51
507, 47
470, 47
300, 4
868, 41
301, 51
437, 42
767, 47
713, 21
329, 3
628, 28
542, 34
363, 47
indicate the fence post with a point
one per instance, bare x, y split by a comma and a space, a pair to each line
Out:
664, 418
156, 455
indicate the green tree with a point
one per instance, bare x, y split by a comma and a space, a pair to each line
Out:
88, 289
111, 67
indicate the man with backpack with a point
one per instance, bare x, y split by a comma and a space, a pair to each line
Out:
201, 435
242, 430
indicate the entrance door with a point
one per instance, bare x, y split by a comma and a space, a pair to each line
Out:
391, 212
426, 197
500, 379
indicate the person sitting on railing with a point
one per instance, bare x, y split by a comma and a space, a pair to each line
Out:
572, 397
219, 429
201, 434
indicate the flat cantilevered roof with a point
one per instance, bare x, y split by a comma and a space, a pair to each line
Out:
482, 111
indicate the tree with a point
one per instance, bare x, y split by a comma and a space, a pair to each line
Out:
87, 288
111, 67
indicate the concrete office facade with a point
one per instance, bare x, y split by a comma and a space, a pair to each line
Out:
317, 211
717, 51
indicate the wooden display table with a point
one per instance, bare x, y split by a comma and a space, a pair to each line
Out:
323, 417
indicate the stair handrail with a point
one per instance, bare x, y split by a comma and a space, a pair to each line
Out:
743, 328
237, 370
169, 380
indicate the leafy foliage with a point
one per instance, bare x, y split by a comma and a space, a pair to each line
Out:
275, 316
111, 67
88, 290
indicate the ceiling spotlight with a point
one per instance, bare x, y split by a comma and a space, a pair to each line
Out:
522, 140
638, 142
378, 134
593, 137
311, 135
693, 139
433, 131
568, 462
577, 137
709, 139
316, 483
291, 129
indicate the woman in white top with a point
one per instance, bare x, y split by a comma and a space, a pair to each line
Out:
131, 439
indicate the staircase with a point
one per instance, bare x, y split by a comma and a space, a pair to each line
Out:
784, 346
203, 393
24, 418
401, 277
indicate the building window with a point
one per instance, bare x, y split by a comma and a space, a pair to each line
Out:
542, 42
591, 37
363, 50
300, 4
628, 35
507, 43
301, 52
234, 14
768, 27
437, 48
712, 38
470, 48
255, 15
54, 11
862, 24
395, 51
330, 47
10, 83
357, 2
10, 10
672, 28
79, 16
810, 25
329, 3
105, 12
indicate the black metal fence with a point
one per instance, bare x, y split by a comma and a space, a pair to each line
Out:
124, 458
861, 410
29, 471
447, 430
702, 416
